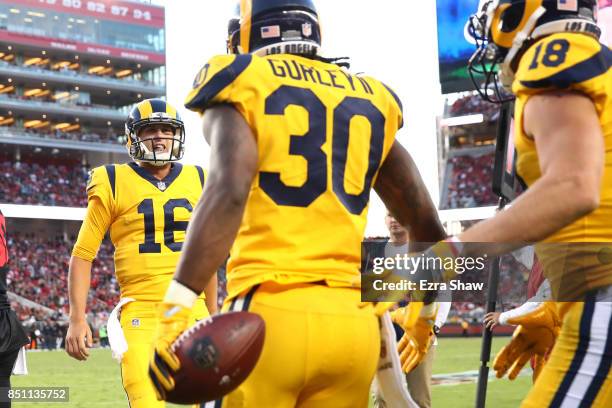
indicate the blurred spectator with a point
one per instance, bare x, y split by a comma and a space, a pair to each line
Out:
46, 330
38, 272
39, 268
103, 336
469, 180
472, 104
80, 136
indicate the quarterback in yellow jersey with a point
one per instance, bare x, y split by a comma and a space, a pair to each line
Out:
297, 144
548, 54
145, 206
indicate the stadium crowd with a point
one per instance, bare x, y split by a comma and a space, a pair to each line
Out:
473, 103
79, 136
24, 182
469, 181
46, 330
39, 272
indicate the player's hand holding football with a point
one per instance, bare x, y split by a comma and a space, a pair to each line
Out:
417, 321
174, 313
534, 337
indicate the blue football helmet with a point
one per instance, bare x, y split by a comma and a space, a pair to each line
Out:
504, 29
266, 27
151, 112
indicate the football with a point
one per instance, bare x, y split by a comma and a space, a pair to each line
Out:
216, 354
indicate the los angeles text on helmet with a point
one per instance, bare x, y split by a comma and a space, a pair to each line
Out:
583, 27
301, 48
412, 264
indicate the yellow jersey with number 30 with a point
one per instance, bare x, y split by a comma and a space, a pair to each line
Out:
322, 135
146, 219
579, 63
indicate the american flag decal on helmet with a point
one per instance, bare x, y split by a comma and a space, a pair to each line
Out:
270, 32
567, 5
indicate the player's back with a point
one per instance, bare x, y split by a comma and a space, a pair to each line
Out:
322, 135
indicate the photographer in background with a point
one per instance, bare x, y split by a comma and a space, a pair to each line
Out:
12, 335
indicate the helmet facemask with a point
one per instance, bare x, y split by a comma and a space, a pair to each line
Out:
489, 59
137, 146
504, 29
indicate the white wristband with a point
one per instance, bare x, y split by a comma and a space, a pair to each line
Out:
180, 294
503, 318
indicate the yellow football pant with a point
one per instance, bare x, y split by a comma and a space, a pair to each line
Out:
577, 373
321, 350
139, 323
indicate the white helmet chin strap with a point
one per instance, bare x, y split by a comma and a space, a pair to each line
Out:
506, 75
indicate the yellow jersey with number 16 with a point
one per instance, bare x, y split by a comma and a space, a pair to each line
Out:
322, 135
146, 219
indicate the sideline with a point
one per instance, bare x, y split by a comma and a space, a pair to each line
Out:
465, 377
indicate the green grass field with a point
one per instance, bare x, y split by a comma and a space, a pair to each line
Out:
96, 383
459, 355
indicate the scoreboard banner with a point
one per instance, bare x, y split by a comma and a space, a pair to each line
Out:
123, 11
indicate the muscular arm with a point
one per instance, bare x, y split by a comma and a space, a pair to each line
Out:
569, 142
218, 214
401, 188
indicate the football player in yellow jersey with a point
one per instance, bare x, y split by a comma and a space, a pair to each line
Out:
547, 53
297, 144
145, 206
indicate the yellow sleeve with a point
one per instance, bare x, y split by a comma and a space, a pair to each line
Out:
98, 218
563, 61
397, 107
215, 82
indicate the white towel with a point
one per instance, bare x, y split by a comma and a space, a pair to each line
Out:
390, 378
21, 366
116, 338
